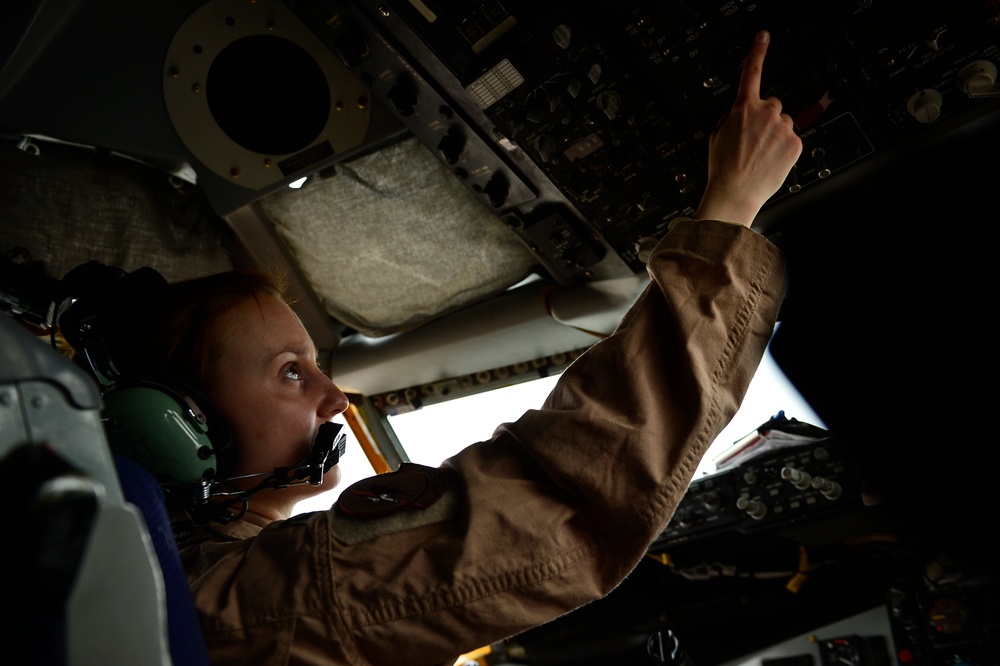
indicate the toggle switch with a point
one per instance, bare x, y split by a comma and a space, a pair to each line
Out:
792, 180
822, 170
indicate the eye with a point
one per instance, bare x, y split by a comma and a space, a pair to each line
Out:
291, 371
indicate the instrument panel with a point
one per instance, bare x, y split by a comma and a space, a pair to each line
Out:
585, 125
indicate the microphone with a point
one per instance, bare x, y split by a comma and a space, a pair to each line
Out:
329, 446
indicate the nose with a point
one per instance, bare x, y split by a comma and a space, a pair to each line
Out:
333, 400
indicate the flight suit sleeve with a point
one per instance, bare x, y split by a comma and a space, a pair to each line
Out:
558, 507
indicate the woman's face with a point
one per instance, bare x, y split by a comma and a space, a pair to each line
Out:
269, 388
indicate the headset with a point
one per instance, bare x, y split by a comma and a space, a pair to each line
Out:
165, 425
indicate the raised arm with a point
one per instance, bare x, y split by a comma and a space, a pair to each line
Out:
556, 508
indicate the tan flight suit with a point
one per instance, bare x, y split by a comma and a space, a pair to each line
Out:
552, 512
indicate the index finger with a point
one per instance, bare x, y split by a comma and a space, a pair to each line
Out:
752, 68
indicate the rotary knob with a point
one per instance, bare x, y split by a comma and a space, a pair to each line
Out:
644, 247
796, 477
827, 488
978, 79
753, 508
925, 105
711, 501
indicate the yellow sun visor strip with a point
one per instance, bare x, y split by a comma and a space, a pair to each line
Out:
355, 419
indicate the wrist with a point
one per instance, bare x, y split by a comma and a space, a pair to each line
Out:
726, 207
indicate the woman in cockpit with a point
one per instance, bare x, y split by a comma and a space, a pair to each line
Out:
421, 565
